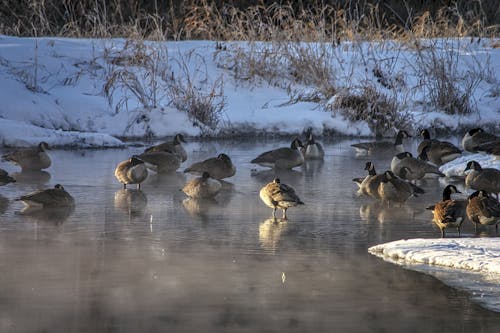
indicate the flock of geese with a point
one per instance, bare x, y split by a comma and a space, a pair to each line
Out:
392, 186
400, 182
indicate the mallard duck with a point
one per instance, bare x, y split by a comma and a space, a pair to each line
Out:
437, 152
382, 147
369, 184
312, 150
174, 147
219, 167
483, 209
52, 197
5, 178
30, 159
282, 158
487, 179
278, 195
417, 167
203, 187
395, 189
161, 161
477, 137
131, 171
449, 213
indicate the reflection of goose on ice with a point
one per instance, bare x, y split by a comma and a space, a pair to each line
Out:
32, 177
130, 200
270, 231
56, 215
267, 175
377, 211
200, 206
4, 204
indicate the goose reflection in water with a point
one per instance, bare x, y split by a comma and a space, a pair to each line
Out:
199, 207
131, 201
55, 215
32, 177
377, 211
4, 204
270, 231
287, 176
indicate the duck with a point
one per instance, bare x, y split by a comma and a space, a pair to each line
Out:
30, 159
479, 178
219, 167
52, 197
174, 147
382, 147
477, 137
395, 189
417, 168
279, 195
5, 178
161, 161
282, 158
204, 187
437, 152
483, 209
369, 185
131, 171
449, 213
312, 150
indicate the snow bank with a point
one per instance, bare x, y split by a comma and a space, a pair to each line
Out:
471, 264
456, 167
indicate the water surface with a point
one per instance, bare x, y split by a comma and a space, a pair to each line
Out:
152, 260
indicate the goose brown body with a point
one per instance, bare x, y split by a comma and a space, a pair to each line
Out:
161, 161
476, 138
219, 167
132, 171
278, 195
382, 147
30, 159
483, 209
202, 187
395, 189
174, 147
449, 213
52, 197
282, 158
417, 167
479, 178
437, 152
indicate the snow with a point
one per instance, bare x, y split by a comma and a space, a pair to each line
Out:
456, 167
472, 264
52, 89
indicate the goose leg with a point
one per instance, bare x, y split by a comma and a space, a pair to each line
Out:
274, 212
442, 233
284, 213
458, 229
124, 186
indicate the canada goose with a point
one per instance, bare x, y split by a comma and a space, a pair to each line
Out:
202, 187
393, 188
483, 209
369, 184
278, 195
219, 167
477, 137
438, 152
174, 147
52, 197
417, 167
282, 158
5, 178
449, 213
161, 161
312, 150
382, 147
492, 148
487, 179
131, 171
30, 159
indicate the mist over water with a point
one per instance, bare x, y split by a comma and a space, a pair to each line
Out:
153, 260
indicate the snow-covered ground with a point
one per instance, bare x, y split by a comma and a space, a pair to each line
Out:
471, 264
52, 89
